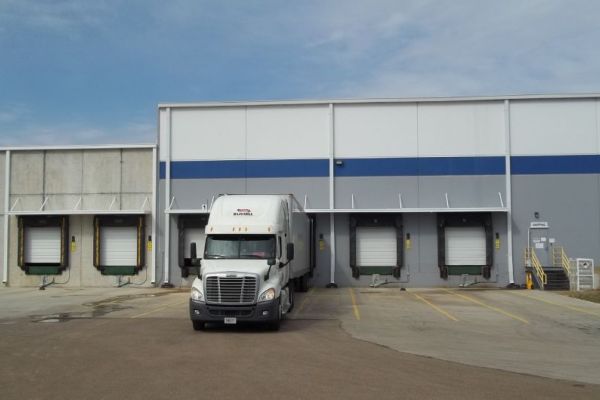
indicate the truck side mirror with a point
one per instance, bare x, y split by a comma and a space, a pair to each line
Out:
290, 251
271, 262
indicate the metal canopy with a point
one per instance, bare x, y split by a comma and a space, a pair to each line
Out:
370, 210
80, 212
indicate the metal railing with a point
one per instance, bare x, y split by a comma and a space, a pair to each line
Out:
531, 260
560, 259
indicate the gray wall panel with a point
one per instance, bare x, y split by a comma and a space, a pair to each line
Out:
192, 193
316, 189
463, 191
569, 203
376, 191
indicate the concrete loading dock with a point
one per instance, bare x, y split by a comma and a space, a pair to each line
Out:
79, 216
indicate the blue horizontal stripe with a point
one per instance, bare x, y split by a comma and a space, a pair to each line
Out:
426, 166
246, 169
534, 165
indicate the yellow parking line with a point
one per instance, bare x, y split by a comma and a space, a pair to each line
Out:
159, 309
305, 300
354, 305
436, 308
499, 310
581, 310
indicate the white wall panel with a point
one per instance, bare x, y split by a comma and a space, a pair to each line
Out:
162, 132
288, 132
208, 134
376, 130
461, 129
545, 127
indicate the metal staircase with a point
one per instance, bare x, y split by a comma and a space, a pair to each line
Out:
553, 277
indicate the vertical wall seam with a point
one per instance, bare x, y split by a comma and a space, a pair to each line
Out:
246, 149
332, 193
6, 221
418, 157
121, 179
43, 176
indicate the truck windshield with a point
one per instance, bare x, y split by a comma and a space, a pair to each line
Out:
239, 246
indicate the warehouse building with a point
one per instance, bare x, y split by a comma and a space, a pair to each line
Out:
78, 216
419, 192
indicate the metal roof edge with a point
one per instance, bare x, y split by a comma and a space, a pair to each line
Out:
80, 147
379, 100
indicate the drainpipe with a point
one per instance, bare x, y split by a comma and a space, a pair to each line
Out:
509, 230
167, 233
154, 217
331, 283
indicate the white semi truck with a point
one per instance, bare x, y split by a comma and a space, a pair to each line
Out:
258, 249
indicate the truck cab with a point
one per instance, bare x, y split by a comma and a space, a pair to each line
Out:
248, 268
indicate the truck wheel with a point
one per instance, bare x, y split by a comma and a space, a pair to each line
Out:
275, 324
303, 283
291, 291
199, 325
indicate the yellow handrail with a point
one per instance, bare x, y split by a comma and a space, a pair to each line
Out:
561, 259
534, 262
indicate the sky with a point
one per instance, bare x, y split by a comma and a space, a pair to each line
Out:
93, 72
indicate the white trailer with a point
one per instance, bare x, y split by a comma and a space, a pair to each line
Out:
258, 248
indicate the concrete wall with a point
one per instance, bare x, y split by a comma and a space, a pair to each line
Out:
101, 181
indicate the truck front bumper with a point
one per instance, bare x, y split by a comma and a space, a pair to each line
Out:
261, 312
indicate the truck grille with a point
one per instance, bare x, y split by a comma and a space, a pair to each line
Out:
231, 290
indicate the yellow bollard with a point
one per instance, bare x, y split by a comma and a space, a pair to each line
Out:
529, 280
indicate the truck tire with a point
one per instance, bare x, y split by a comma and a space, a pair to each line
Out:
275, 324
291, 290
199, 325
303, 283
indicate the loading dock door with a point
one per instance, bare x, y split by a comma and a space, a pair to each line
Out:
465, 245
194, 235
42, 245
118, 246
376, 246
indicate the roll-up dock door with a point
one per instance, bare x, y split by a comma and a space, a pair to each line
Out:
465, 245
43, 245
376, 246
119, 246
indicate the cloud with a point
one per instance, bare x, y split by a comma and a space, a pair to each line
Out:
57, 16
106, 63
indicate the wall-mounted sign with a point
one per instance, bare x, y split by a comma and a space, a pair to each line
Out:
539, 225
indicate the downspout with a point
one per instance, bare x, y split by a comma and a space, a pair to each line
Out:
154, 216
331, 283
167, 233
6, 216
509, 233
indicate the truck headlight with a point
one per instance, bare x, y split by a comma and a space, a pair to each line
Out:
197, 295
267, 295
